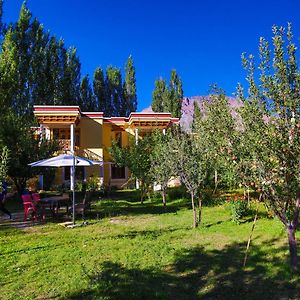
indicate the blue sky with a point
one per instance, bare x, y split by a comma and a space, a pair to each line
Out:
202, 40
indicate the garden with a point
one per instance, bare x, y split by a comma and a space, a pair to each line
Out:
149, 251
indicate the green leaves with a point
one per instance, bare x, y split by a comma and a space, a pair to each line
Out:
168, 98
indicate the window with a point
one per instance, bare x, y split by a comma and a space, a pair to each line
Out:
117, 172
79, 173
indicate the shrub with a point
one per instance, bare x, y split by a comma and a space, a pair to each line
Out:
238, 209
177, 192
92, 184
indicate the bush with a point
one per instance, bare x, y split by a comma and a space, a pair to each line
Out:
177, 192
92, 184
238, 209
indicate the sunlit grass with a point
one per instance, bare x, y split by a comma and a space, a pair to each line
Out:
134, 251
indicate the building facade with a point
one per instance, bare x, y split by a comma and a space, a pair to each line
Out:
90, 134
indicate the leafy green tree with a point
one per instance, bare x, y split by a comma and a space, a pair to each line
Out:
87, 99
196, 115
168, 98
137, 158
176, 94
17, 136
70, 88
99, 90
114, 91
158, 95
160, 170
22, 103
219, 128
4, 161
276, 102
8, 71
129, 88
188, 159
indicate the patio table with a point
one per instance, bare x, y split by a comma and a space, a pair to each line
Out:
55, 202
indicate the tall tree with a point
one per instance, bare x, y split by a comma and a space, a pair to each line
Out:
8, 71
99, 90
87, 99
129, 87
158, 95
114, 91
22, 103
17, 136
168, 98
276, 101
196, 115
1, 19
176, 94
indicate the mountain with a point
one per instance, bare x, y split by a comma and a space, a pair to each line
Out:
187, 108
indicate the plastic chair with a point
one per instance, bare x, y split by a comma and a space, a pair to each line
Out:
81, 208
29, 206
36, 197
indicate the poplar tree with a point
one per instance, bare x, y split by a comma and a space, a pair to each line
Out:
158, 95
87, 99
168, 97
114, 91
129, 88
8, 71
176, 94
99, 90
21, 101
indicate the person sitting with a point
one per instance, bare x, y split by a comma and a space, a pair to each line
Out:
2, 207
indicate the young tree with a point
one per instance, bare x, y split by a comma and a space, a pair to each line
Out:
137, 158
188, 160
160, 170
276, 101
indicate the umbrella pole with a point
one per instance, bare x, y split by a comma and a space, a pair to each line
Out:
73, 187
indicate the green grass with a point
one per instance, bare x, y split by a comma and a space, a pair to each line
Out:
134, 251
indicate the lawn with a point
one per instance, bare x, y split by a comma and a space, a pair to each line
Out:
134, 251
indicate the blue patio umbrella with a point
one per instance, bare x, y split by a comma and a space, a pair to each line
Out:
67, 160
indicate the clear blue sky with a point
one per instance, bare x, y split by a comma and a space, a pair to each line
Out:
202, 40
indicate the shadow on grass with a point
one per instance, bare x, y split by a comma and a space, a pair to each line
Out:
198, 274
110, 207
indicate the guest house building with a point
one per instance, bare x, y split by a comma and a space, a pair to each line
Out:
90, 134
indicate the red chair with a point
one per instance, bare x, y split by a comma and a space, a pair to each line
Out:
36, 197
29, 206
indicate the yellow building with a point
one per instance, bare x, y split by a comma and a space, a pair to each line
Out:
90, 134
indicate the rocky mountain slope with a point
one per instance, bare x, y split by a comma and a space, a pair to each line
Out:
187, 109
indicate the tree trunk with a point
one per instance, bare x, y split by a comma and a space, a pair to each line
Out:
194, 211
216, 181
20, 184
293, 247
163, 193
291, 229
200, 210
